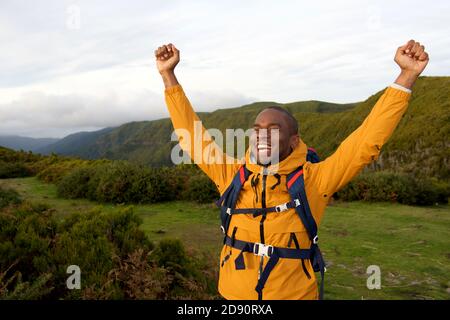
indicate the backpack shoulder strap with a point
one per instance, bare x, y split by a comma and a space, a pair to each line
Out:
312, 155
227, 202
296, 189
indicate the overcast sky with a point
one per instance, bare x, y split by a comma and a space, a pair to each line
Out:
70, 66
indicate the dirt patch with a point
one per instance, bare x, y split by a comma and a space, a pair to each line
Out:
340, 233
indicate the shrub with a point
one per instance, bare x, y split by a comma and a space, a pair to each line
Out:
117, 182
170, 253
54, 172
124, 182
150, 186
75, 184
110, 249
395, 187
187, 276
201, 189
114, 183
8, 197
13, 170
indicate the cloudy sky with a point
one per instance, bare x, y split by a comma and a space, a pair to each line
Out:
70, 66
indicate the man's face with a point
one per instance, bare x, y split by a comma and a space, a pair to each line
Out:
272, 139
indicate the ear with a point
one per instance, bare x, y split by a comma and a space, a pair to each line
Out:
294, 140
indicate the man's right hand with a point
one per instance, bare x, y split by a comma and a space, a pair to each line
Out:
167, 57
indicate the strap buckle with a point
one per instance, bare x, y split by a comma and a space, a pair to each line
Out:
222, 229
315, 239
261, 249
297, 202
281, 207
229, 211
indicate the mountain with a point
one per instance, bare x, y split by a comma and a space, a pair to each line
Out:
74, 144
135, 141
25, 143
420, 144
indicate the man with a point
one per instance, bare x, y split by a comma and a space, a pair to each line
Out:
289, 278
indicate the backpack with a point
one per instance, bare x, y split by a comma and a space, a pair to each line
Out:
299, 201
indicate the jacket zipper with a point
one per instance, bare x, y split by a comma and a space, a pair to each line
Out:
263, 217
263, 204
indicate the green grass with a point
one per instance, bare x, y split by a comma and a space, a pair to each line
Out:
411, 245
196, 224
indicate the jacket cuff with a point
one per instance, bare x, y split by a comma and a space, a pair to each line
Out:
397, 86
398, 93
173, 89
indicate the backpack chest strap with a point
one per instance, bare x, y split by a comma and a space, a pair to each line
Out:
273, 253
258, 211
261, 249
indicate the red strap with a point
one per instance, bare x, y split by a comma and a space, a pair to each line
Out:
294, 178
312, 149
242, 174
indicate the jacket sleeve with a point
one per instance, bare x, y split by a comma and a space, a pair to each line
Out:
205, 153
362, 146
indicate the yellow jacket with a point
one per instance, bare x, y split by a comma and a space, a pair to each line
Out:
287, 280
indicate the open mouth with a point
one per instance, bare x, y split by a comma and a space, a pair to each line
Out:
263, 147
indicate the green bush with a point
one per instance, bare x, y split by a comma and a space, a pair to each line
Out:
170, 253
201, 189
75, 184
150, 186
184, 271
395, 187
26, 235
13, 170
123, 182
8, 197
178, 178
12, 156
55, 171
110, 181
114, 183
116, 259
117, 182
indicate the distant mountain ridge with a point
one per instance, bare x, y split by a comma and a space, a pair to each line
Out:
74, 144
25, 143
419, 145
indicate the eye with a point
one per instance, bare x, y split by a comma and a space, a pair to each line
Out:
274, 129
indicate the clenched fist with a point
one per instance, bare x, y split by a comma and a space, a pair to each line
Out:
167, 57
412, 57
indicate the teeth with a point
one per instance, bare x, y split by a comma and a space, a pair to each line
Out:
263, 146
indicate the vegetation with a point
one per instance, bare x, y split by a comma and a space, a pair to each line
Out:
115, 256
117, 181
165, 246
8, 197
408, 243
395, 187
123, 182
419, 145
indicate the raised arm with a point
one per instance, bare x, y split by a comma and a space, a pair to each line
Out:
364, 144
204, 152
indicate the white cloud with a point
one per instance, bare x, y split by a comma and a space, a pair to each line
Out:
56, 80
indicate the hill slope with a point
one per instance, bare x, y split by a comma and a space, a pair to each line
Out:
25, 143
419, 145
73, 144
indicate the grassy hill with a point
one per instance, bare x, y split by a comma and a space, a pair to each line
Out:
420, 144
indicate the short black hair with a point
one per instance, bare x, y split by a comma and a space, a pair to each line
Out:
293, 124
